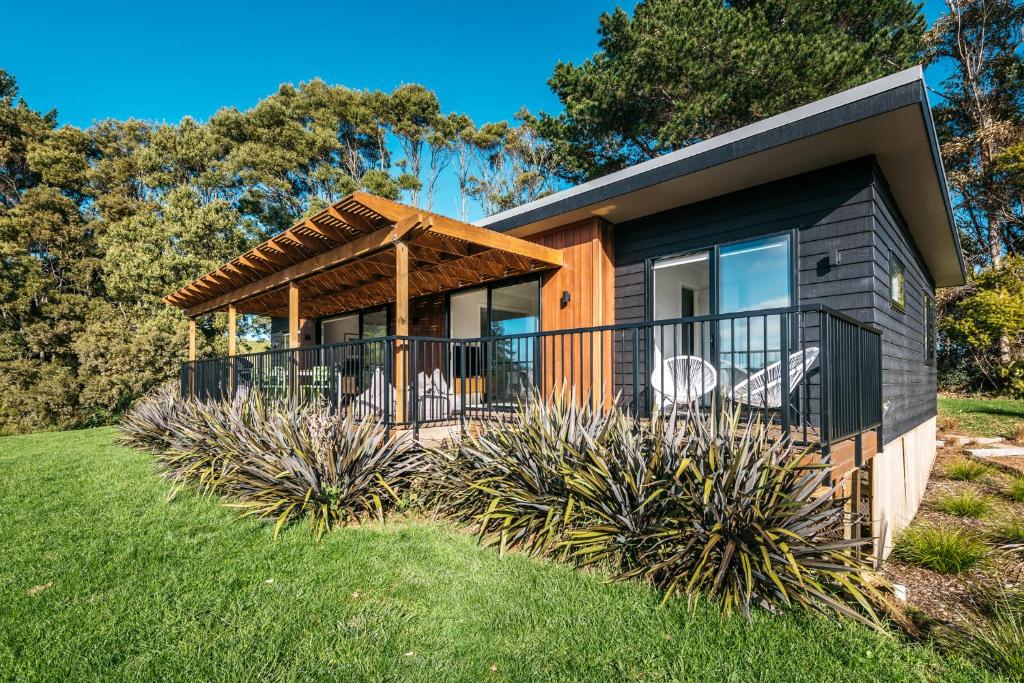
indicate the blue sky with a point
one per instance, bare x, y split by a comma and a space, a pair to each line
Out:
162, 61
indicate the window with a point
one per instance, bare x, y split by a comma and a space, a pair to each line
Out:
754, 275
897, 284
929, 329
750, 276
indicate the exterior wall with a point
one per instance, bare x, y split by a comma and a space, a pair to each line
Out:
588, 274
909, 384
898, 479
845, 208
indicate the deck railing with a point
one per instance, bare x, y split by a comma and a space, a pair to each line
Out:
815, 374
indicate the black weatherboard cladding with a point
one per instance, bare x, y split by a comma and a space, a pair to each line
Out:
845, 208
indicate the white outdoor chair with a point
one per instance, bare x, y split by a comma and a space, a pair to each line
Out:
763, 389
682, 380
376, 395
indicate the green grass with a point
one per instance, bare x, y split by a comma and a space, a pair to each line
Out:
983, 416
966, 469
141, 588
1015, 489
950, 550
968, 503
1009, 531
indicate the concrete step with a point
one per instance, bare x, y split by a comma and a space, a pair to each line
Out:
979, 440
1001, 452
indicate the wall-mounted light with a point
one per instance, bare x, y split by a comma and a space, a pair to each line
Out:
564, 301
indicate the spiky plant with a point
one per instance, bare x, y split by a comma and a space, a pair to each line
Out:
1015, 489
508, 476
331, 469
966, 469
711, 505
993, 634
151, 422
968, 503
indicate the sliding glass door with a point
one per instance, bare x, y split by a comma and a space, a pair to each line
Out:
740, 277
496, 371
752, 276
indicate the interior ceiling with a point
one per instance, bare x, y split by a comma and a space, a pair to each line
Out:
899, 140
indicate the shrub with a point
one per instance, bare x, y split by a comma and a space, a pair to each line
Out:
280, 463
708, 505
329, 468
1008, 534
944, 549
948, 424
993, 637
152, 421
1015, 490
966, 469
970, 503
508, 476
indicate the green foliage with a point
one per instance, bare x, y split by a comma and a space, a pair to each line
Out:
670, 73
966, 469
711, 505
695, 504
983, 329
976, 46
1015, 489
1008, 534
327, 468
304, 463
97, 225
949, 550
969, 503
993, 636
509, 476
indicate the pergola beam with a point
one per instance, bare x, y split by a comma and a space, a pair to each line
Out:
340, 254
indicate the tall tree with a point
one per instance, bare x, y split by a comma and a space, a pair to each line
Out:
679, 72
980, 120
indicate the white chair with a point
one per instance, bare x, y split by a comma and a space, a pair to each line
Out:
682, 380
376, 395
763, 389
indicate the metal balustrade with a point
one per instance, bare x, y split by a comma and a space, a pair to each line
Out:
813, 373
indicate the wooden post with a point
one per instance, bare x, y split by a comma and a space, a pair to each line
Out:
401, 326
293, 341
191, 357
293, 315
232, 347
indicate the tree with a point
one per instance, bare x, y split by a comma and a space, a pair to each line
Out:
980, 319
979, 120
677, 72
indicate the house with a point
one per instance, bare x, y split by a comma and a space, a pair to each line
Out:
788, 266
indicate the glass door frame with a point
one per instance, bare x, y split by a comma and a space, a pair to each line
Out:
489, 287
714, 255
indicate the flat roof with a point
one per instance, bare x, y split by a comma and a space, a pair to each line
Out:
888, 118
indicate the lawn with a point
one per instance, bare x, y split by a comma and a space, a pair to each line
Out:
103, 579
983, 416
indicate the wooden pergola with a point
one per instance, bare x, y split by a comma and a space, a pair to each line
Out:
360, 252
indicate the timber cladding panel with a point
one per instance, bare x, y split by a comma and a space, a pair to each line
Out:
845, 208
588, 275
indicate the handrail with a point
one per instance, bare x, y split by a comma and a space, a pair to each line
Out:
665, 322
827, 400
